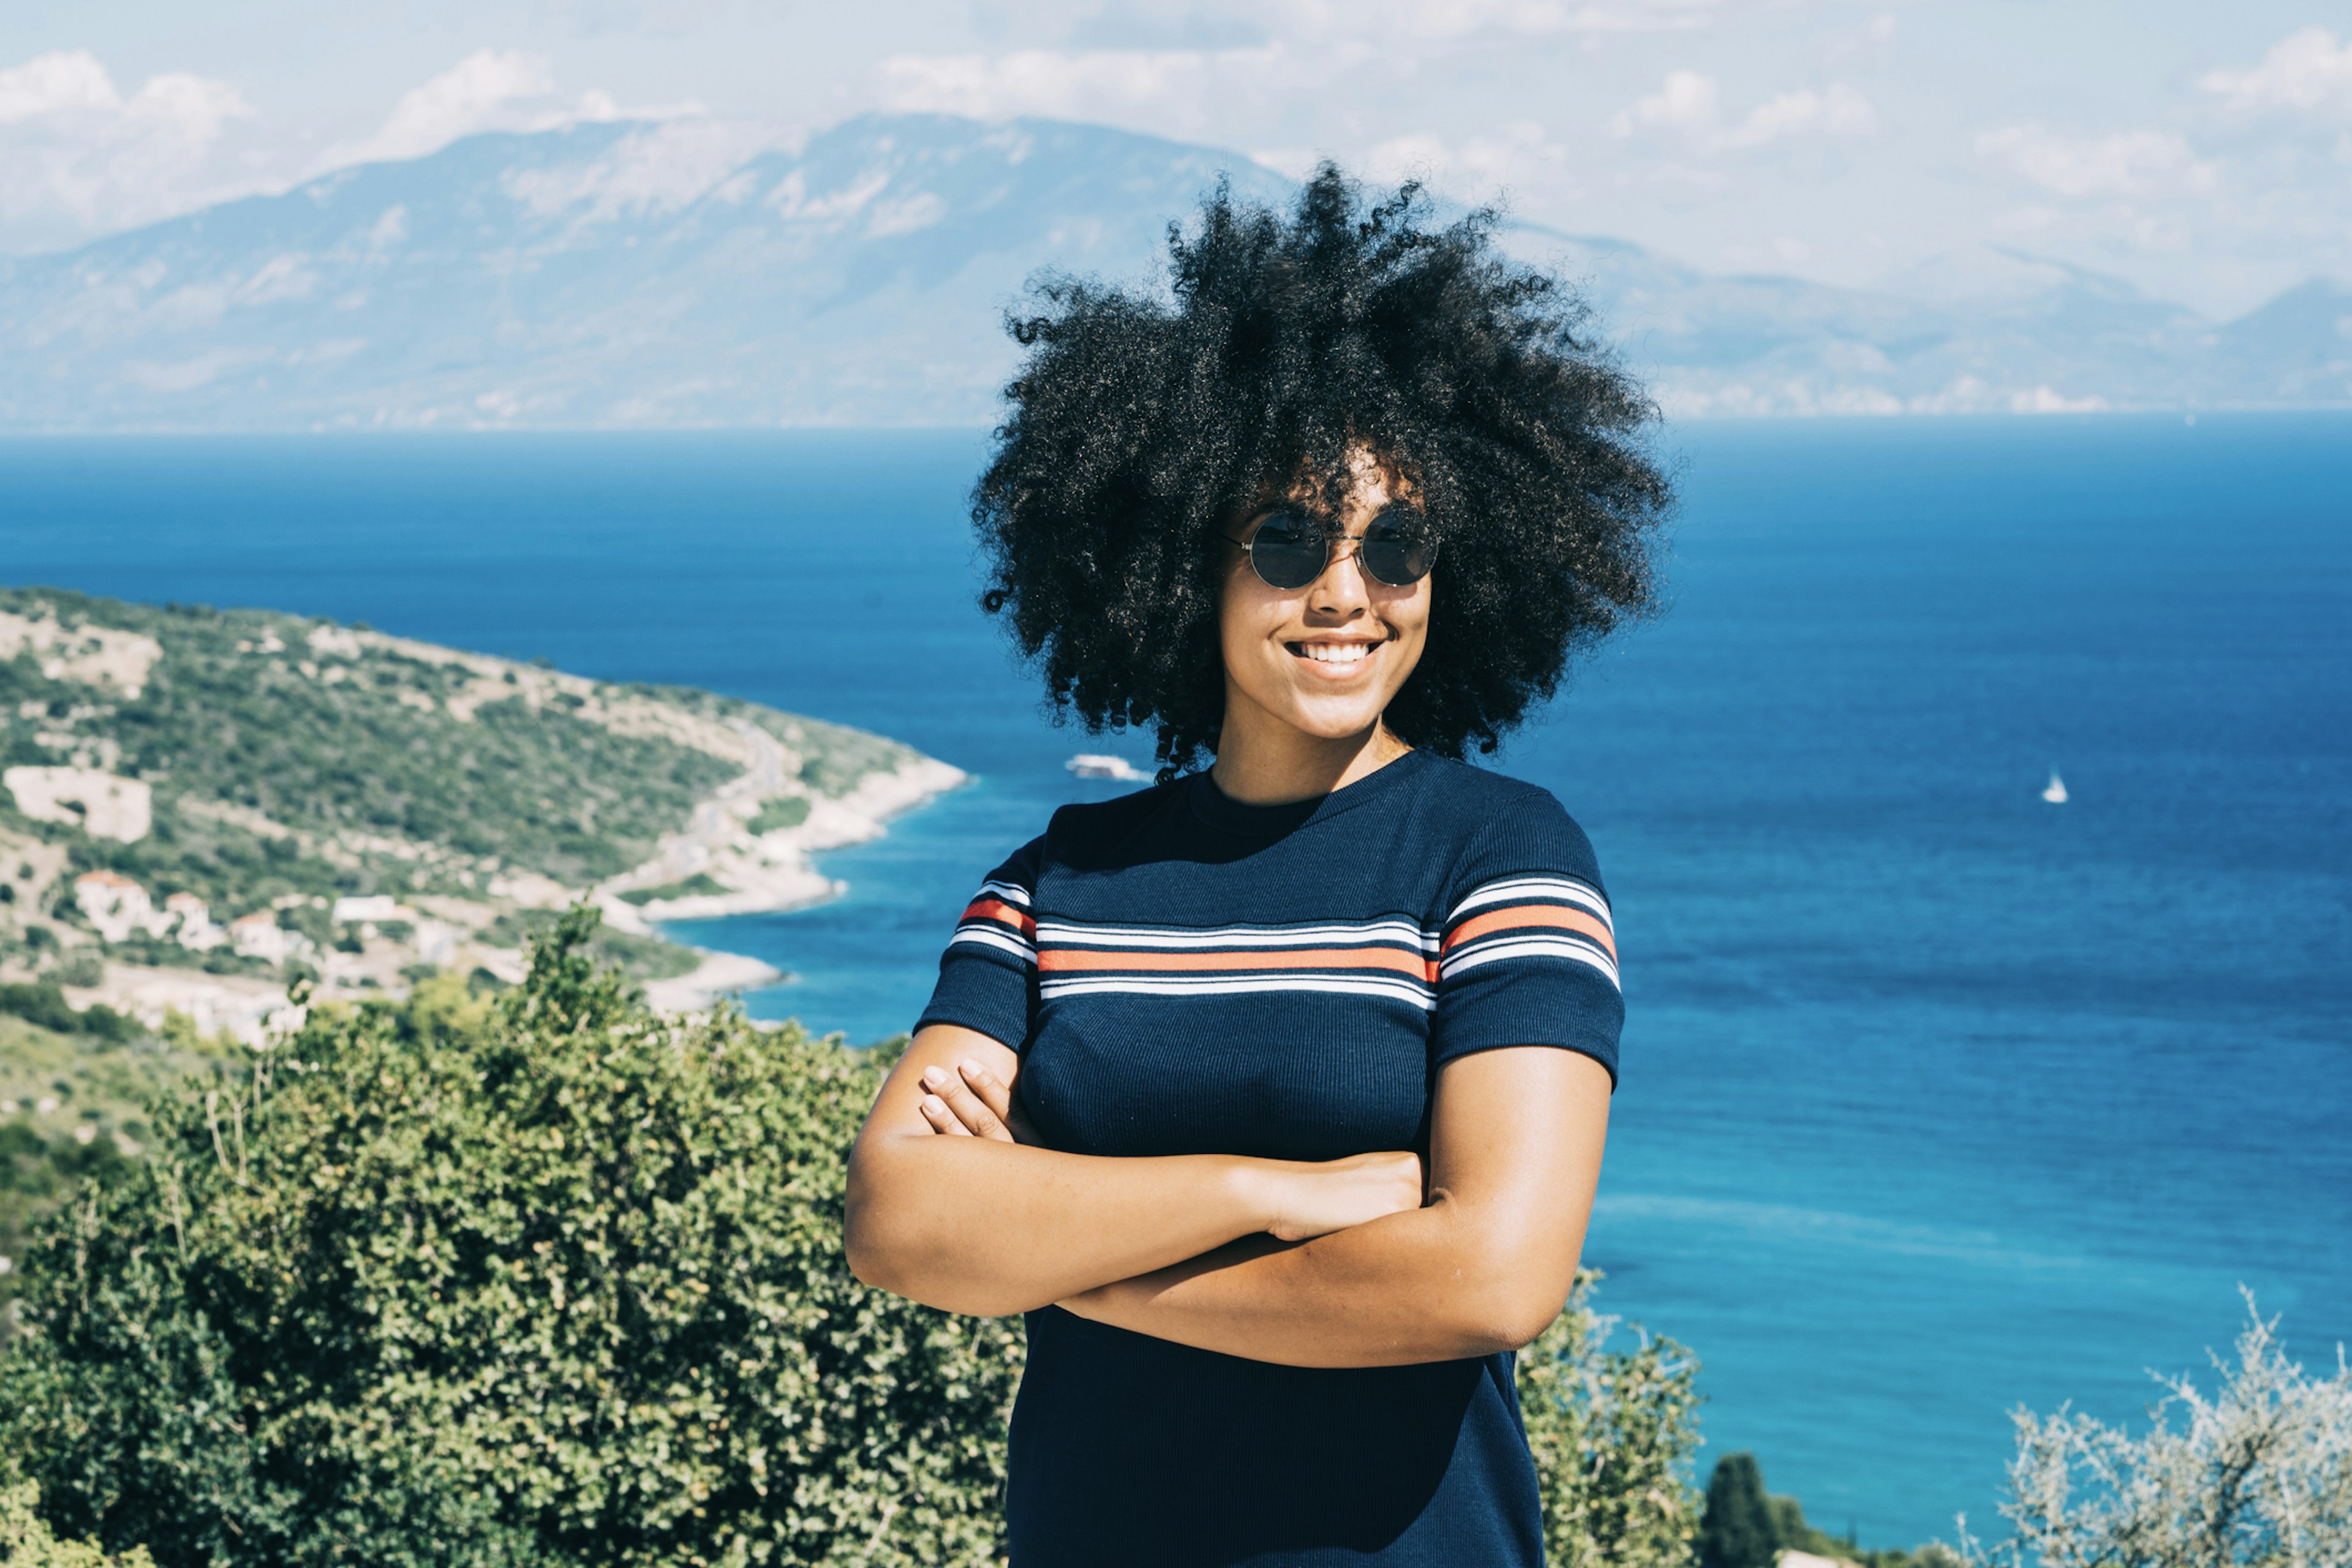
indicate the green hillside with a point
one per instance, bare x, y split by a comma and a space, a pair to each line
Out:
390, 807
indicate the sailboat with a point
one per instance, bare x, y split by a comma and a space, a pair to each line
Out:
1096, 765
2054, 792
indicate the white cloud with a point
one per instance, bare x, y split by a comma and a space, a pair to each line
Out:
1518, 152
2306, 69
1187, 86
76, 155
1459, 18
1690, 104
55, 83
490, 89
2122, 162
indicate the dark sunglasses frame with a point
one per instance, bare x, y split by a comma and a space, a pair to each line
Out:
1397, 558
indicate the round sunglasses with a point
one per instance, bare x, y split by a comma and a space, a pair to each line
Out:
1291, 548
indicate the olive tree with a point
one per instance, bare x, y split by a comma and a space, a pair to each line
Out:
2256, 1475
1613, 1431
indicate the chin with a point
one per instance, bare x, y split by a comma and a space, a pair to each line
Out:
1326, 721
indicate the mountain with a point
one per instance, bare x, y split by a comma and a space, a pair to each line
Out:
691, 273
197, 807
610, 273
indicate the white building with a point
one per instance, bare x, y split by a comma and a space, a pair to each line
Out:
115, 904
197, 934
368, 907
258, 935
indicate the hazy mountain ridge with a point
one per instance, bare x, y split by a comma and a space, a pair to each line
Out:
691, 273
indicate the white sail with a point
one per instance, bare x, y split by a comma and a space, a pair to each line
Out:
2054, 792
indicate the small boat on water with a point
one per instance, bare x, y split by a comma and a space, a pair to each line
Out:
2054, 792
1099, 765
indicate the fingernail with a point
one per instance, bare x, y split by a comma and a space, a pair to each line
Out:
933, 1102
934, 1077
970, 1068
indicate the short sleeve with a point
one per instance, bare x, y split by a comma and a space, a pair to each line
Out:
1528, 952
988, 975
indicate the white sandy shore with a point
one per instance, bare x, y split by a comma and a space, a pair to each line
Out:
717, 975
763, 873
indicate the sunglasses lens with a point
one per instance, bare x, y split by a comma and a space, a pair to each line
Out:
1288, 551
1398, 550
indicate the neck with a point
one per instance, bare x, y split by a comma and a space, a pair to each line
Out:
1263, 761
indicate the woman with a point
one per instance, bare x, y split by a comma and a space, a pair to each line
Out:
1275, 1095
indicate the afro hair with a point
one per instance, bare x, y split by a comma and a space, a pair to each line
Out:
1142, 424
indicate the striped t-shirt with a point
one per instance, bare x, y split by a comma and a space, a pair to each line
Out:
1183, 974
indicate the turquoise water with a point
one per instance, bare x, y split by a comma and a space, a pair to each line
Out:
1937, 1098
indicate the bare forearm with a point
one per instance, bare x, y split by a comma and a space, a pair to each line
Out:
975, 1226
1439, 1283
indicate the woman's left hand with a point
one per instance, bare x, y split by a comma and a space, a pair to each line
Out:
969, 1101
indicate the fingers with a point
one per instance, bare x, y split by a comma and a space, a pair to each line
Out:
961, 1109
942, 1119
983, 1083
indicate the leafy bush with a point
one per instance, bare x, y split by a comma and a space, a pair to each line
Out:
789, 812
43, 1003
2259, 1475
27, 1542
700, 884
38, 1175
82, 967
534, 1280
1614, 1434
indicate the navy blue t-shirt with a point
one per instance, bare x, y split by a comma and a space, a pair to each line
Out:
1185, 974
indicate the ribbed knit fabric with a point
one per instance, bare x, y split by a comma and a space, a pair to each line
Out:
1183, 974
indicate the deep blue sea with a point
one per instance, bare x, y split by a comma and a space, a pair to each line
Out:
1936, 1099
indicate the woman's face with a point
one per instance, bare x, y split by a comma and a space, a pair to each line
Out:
1327, 659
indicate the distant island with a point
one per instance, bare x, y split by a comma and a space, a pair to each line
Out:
200, 807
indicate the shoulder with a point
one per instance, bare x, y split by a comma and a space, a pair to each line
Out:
1502, 827
1089, 832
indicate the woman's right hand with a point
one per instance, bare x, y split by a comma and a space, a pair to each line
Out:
1312, 1200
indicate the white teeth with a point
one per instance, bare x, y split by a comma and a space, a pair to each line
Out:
1335, 652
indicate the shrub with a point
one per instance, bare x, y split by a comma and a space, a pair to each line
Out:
790, 811
27, 1542
1613, 1433
2260, 1474
82, 967
42, 1003
537, 1280
701, 884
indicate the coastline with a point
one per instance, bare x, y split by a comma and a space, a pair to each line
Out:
766, 873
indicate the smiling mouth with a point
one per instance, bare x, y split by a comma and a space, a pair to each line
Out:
1338, 658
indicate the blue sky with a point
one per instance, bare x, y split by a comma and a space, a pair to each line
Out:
2202, 151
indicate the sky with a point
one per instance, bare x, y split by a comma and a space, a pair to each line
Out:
2201, 150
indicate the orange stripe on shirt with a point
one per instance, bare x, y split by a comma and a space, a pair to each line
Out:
1389, 958
1003, 913
1519, 916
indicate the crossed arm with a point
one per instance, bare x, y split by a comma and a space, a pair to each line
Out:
1368, 1261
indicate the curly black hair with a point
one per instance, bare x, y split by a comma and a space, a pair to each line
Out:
1141, 426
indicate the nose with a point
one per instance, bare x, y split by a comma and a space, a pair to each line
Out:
1341, 593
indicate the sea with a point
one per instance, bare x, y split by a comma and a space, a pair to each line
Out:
1939, 1100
